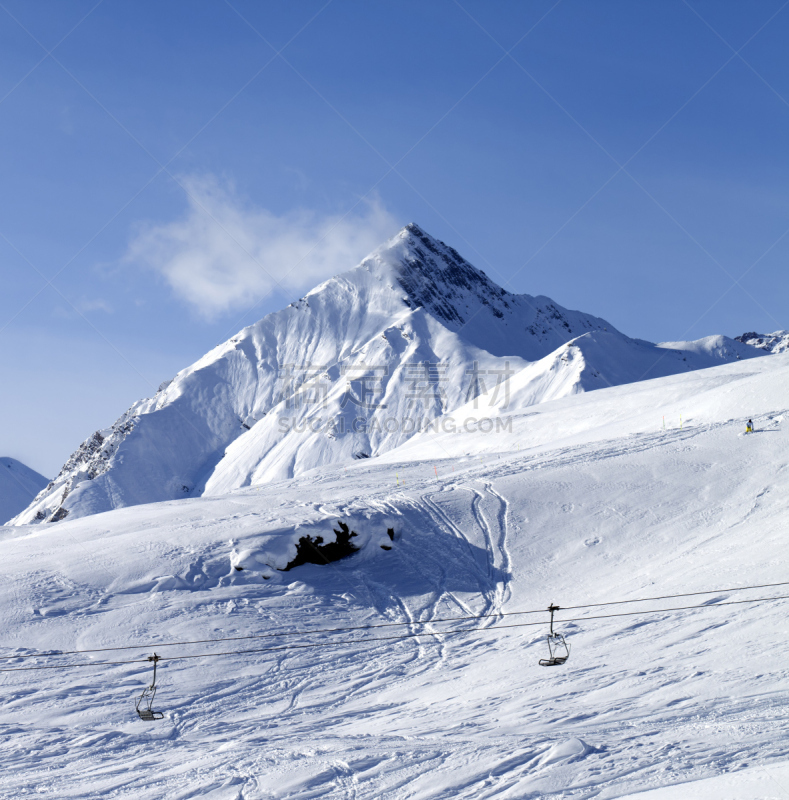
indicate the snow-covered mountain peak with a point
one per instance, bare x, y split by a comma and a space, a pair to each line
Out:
777, 342
434, 276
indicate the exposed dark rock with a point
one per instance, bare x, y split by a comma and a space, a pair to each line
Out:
313, 551
435, 275
90, 459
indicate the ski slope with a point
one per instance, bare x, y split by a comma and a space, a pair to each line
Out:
586, 499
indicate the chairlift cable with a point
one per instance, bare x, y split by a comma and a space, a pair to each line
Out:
314, 631
463, 632
674, 596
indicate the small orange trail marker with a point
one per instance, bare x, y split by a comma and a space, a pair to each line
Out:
434, 467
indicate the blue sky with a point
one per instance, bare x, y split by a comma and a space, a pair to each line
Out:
627, 159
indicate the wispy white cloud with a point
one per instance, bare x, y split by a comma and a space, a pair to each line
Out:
82, 306
225, 252
85, 305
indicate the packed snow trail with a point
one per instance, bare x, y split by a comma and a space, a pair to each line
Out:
603, 513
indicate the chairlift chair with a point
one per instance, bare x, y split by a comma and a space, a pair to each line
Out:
145, 701
558, 649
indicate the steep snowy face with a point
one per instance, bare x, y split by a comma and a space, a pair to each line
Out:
366, 404
777, 342
18, 486
464, 299
290, 441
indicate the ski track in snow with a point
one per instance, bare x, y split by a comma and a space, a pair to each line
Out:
443, 520
506, 562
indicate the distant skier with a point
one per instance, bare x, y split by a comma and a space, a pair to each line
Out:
749, 426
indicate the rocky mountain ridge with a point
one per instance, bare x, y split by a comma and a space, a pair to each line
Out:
777, 342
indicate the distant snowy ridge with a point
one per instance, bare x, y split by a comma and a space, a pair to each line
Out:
18, 486
352, 370
777, 342
601, 359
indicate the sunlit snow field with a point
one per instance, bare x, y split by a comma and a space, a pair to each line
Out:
585, 500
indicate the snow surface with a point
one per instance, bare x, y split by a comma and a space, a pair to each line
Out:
18, 487
764, 783
585, 499
286, 395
